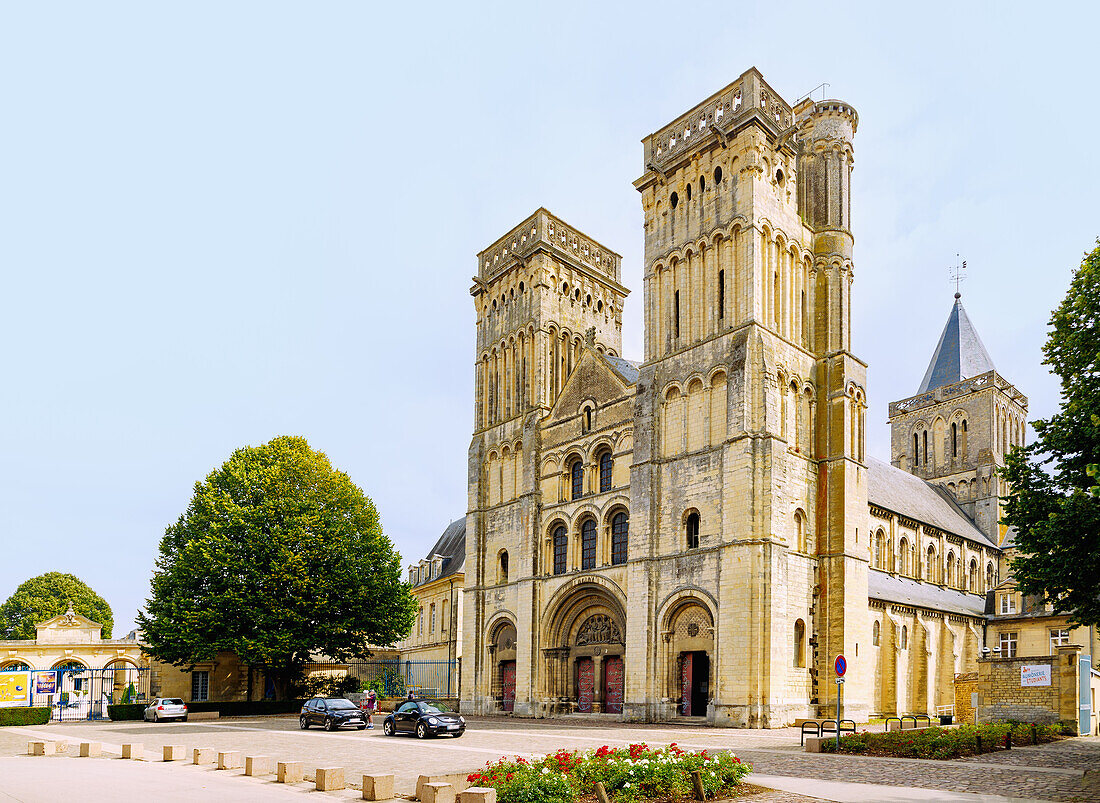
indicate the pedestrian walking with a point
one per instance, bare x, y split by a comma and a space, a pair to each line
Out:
370, 706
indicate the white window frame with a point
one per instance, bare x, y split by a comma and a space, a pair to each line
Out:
1058, 637
1008, 642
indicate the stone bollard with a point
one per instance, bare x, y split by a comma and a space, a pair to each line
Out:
257, 765
330, 779
134, 750
377, 787
289, 772
174, 752
203, 755
41, 748
438, 793
478, 794
229, 760
90, 749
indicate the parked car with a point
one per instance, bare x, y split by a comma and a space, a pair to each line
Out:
331, 713
166, 708
424, 718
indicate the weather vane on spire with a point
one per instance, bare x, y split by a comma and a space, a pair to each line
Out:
957, 274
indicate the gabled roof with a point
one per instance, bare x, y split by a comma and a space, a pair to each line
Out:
906, 591
901, 492
451, 546
626, 369
960, 353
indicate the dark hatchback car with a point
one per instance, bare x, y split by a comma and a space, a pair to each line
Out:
424, 718
331, 713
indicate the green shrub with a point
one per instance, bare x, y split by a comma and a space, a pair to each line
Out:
24, 716
124, 711
944, 743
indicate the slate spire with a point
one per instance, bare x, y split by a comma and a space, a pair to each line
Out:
960, 353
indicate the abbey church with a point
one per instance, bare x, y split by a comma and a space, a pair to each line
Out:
700, 534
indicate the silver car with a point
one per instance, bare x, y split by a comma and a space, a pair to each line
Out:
166, 708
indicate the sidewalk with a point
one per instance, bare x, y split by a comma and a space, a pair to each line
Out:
871, 793
46, 780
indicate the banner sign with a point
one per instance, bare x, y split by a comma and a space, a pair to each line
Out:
1035, 675
15, 688
45, 683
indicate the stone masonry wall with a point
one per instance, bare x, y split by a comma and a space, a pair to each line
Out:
1002, 697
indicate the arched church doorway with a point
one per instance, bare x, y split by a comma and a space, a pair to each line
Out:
585, 669
502, 651
690, 654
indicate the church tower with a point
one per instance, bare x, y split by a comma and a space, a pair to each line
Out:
749, 471
956, 430
541, 290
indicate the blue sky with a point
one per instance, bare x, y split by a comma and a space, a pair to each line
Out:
223, 222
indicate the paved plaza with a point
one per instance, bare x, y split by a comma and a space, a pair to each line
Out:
1063, 771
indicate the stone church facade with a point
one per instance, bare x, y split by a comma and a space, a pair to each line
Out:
702, 533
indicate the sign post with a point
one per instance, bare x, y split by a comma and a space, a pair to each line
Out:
840, 666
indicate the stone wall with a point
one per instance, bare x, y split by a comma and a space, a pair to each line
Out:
966, 685
1001, 695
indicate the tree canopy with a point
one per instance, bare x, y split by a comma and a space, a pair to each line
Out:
278, 557
48, 595
1053, 506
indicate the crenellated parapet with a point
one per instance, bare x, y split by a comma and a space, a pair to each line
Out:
544, 230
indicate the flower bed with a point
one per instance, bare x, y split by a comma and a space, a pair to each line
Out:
635, 773
944, 743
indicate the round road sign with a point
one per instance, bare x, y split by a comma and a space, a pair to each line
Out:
840, 665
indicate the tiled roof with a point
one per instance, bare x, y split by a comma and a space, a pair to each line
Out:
451, 546
907, 591
901, 492
624, 368
959, 355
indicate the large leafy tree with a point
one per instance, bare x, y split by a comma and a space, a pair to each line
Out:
278, 557
1053, 504
43, 597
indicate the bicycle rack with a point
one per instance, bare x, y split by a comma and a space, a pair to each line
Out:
814, 730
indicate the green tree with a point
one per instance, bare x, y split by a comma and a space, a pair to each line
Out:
46, 596
278, 557
1052, 506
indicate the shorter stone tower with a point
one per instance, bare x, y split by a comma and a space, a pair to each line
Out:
965, 417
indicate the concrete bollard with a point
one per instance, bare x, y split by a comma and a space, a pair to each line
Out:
377, 787
478, 794
257, 765
438, 793
203, 755
289, 772
134, 750
229, 759
330, 779
41, 748
174, 752
90, 749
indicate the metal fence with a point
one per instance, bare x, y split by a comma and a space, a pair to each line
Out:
394, 678
75, 692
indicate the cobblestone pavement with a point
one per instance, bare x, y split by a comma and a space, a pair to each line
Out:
1061, 771
1054, 772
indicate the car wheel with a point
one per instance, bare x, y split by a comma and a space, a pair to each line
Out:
387, 727
184, 718
360, 727
156, 717
330, 724
303, 723
459, 734
421, 731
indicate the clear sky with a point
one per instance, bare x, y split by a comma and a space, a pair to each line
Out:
222, 222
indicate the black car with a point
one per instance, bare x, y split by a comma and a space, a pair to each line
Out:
331, 713
424, 718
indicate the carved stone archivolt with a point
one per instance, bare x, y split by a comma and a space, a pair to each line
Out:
599, 629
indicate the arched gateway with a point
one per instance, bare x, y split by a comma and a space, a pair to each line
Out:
583, 662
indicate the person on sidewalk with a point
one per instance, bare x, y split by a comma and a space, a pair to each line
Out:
369, 707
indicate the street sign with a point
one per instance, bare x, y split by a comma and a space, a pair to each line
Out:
840, 665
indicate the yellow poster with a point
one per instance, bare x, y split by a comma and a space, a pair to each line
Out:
14, 688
